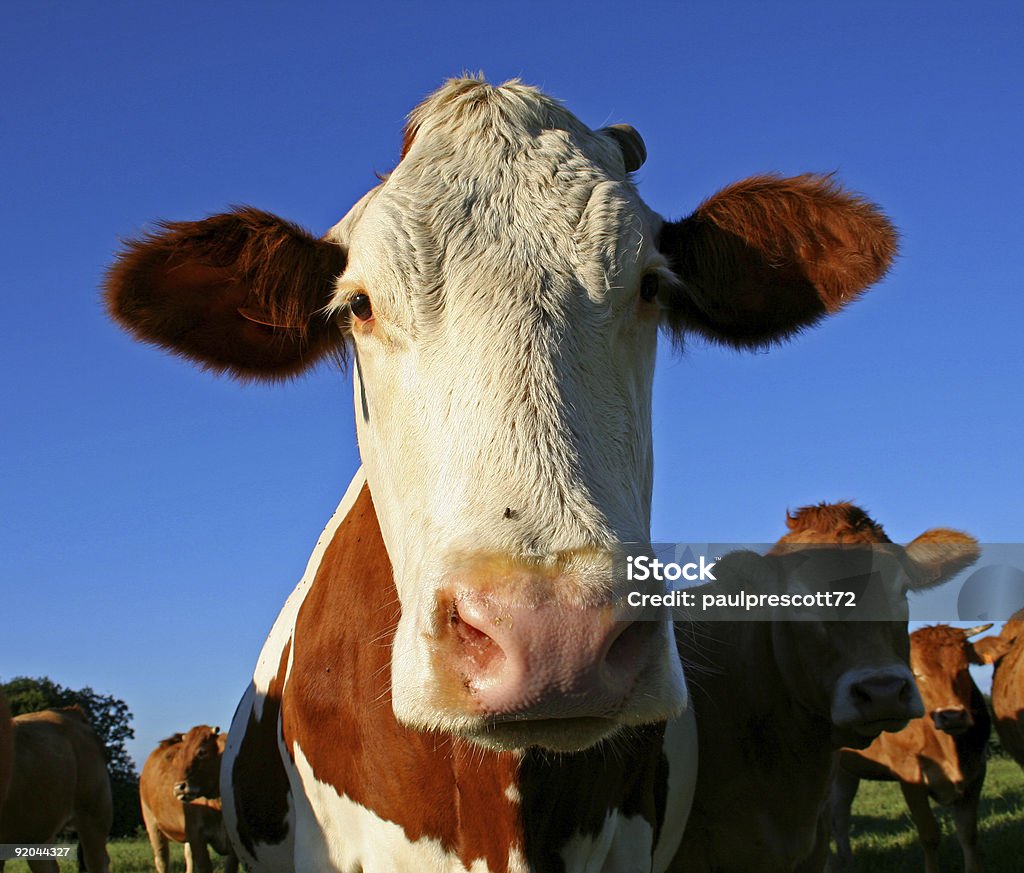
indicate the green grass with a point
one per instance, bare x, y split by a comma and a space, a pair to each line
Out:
885, 841
129, 856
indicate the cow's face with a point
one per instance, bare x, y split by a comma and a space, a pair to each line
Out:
940, 657
860, 681
499, 296
862, 678
503, 327
197, 764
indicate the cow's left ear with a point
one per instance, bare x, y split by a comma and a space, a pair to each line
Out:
937, 555
242, 292
768, 256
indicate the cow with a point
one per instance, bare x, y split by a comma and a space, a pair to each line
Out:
1006, 651
59, 780
179, 791
939, 756
448, 685
6, 746
776, 698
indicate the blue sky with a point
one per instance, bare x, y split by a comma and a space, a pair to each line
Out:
155, 517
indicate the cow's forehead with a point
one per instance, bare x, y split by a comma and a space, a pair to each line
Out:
500, 189
468, 115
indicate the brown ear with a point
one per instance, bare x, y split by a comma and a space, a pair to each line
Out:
988, 650
240, 292
769, 256
937, 555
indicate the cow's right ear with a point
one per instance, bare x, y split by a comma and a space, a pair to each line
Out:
242, 292
937, 555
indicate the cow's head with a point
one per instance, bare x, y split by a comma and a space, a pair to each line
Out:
196, 770
862, 677
941, 657
499, 295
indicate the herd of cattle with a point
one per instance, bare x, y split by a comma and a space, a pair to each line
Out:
791, 715
447, 688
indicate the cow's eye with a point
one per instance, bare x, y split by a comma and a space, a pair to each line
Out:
649, 287
361, 307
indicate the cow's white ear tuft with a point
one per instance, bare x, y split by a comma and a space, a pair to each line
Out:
939, 554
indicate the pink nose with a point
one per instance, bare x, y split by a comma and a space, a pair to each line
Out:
546, 661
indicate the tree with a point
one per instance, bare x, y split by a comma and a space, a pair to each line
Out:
109, 717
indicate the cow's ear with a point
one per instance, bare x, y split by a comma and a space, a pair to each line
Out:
242, 292
988, 650
937, 555
769, 256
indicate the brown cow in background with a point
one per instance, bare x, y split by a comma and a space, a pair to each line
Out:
940, 756
59, 779
1006, 651
775, 699
180, 794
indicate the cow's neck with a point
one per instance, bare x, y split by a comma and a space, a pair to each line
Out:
477, 803
778, 743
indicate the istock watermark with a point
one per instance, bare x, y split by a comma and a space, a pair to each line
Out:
640, 568
820, 582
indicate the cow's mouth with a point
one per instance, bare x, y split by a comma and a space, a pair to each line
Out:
860, 735
554, 734
955, 730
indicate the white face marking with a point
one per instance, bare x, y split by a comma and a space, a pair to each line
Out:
509, 362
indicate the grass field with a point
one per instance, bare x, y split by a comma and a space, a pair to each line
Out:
884, 840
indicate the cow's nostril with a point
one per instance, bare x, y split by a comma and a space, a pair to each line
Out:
876, 689
628, 648
485, 655
860, 694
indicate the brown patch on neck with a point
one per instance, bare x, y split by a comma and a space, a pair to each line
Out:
338, 711
337, 708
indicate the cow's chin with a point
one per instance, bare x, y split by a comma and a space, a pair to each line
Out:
553, 734
518, 735
862, 734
